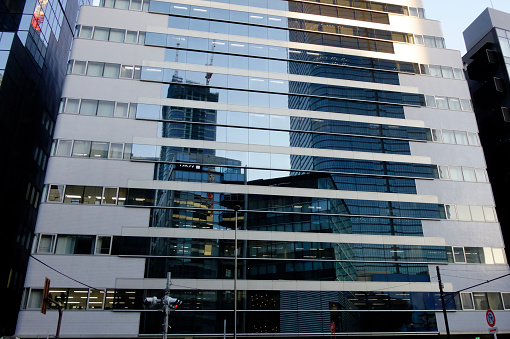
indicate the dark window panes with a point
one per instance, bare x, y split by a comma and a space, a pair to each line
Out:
92, 195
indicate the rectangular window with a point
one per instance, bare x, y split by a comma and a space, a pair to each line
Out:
454, 104
467, 301
506, 300
79, 67
458, 73
55, 193
121, 110
451, 212
469, 174
92, 195
495, 302
64, 148
81, 149
443, 172
435, 70
126, 71
46, 243
448, 136
465, 104
429, 41
490, 215
447, 72
77, 299
481, 175
109, 196
117, 35
111, 70
473, 139
458, 254
499, 255
96, 299
35, 299
73, 194
105, 108
103, 244
430, 100
99, 149
131, 37
101, 33
88, 107
456, 173
115, 151
464, 213
122, 196
436, 135
72, 106
441, 103
474, 255
95, 69
86, 32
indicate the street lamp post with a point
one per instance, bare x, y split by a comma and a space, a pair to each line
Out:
236, 209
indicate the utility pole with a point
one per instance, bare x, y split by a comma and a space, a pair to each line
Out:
442, 302
167, 305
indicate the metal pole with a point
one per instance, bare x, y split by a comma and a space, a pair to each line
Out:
236, 209
167, 307
224, 328
442, 303
60, 311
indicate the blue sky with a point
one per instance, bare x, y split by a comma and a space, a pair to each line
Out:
456, 15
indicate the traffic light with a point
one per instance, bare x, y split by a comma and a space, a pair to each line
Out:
45, 295
165, 301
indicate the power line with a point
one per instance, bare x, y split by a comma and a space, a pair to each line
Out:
65, 275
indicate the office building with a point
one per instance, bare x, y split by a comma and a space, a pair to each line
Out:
343, 132
488, 65
35, 38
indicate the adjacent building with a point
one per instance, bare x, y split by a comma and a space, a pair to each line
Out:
35, 38
342, 130
488, 67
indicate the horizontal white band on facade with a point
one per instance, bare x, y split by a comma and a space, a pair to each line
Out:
279, 76
285, 44
163, 232
281, 111
283, 191
294, 15
314, 152
281, 285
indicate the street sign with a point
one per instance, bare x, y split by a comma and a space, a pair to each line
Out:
491, 318
493, 330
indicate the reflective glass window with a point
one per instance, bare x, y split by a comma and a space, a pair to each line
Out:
88, 107
105, 108
121, 109
442, 102
490, 215
95, 69
64, 148
55, 193
464, 213
456, 173
473, 139
117, 35
477, 213
469, 174
435, 70
115, 151
467, 301
122, 4
458, 254
73, 194
499, 255
99, 149
481, 301
111, 70
126, 71
101, 33
465, 104
86, 32
447, 72
454, 104
481, 175
79, 67
81, 148
72, 106
92, 195
131, 37
448, 136
461, 138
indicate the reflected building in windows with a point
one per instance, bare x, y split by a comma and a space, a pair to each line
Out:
35, 38
342, 129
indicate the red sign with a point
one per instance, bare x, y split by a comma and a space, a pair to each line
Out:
491, 318
332, 327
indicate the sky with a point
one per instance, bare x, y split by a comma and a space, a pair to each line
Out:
456, 15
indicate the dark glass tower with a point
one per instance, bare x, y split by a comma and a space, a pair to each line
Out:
35, 38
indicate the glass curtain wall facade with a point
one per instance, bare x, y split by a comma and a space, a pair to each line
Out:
35, 38
342, 130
